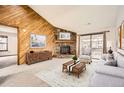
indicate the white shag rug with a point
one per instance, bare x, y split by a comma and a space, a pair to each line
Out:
56, 78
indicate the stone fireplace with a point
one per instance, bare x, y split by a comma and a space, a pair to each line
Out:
65, 49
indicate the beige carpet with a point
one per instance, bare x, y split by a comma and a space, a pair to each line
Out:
7, 61
23, 79
56, 78
24, 75
42, 74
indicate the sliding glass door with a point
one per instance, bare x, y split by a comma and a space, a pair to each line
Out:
92, 42
85, 44
97, 46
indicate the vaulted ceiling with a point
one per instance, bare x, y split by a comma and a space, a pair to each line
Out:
80, 19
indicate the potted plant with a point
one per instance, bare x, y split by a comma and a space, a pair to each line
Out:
74, 59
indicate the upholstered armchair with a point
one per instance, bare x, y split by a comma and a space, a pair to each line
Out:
85, 55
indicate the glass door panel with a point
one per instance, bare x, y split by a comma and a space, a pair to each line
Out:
85, 43
97, 46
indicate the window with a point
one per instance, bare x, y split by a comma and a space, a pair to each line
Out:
94, 42
3, 43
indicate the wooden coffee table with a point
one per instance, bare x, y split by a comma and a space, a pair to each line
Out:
78, 68
65, 65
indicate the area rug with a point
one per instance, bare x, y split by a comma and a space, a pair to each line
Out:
56, 78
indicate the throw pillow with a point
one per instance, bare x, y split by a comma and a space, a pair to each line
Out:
110, 57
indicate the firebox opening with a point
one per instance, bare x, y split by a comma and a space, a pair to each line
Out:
65, 50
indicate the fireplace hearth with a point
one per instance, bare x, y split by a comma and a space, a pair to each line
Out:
65, 49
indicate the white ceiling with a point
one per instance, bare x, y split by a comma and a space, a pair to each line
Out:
76, 18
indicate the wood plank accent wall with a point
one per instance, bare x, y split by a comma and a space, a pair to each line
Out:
25, 18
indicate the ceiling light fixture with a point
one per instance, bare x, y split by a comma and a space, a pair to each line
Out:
88, 23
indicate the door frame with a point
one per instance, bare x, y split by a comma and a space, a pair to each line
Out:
18, 32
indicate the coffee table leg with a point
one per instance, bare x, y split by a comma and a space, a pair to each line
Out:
69, 70
78, 75
63, 69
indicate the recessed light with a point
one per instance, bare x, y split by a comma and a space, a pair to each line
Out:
24, 30
88, 23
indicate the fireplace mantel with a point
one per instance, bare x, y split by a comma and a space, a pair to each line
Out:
60, 41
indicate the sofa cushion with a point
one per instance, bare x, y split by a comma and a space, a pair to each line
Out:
112, 63
86, 51
84, 57
120, 61
110, 70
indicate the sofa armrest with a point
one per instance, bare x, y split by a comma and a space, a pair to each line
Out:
110, 70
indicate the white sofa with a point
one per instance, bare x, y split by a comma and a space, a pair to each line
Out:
109, 76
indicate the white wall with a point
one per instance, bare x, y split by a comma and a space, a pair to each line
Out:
120, 16
110, 37
8, 29
12, 40
120, 19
